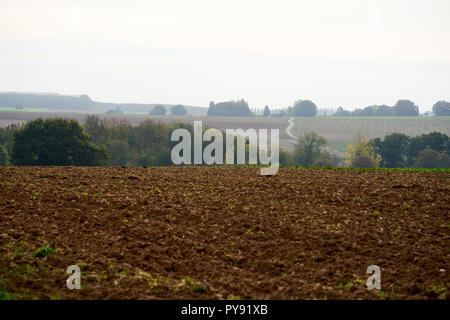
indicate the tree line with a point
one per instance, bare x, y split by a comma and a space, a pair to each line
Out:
111, 142
100, 142
157, 110
116, 142
396, 150
237, 108
307, 108
401, 108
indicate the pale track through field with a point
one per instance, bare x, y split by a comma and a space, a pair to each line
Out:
289, 133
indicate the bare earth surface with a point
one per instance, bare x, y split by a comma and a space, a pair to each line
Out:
223, 233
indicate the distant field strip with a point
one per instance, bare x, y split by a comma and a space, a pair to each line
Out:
343, 129
7, 109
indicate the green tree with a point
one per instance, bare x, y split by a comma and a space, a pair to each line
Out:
307, 149
441, 108
406, 108
4, 157
266, 111
304, 108
158, 110
366, 112
149, 138
393, 150
178, 110
324, 160
119, 129
97, 129
115, 111
7, 136
437, 141
443, 160
286, 158
237, 108
163, 157
363, 162
340, 112
118, 151
384, 111
55, 142
359, 151
430, 158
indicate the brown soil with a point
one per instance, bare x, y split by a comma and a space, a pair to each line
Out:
223, 233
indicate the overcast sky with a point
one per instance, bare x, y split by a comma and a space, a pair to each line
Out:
349, 53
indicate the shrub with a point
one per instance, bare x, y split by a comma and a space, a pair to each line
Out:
158, 110
430, 158
198, 289
118, 151
323, 162
363, 162
178, 110
43, 252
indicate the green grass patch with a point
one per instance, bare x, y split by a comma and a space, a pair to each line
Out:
6, 295
198, 289
43, 252
9, 109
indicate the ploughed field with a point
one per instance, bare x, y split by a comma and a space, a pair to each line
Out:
223, 233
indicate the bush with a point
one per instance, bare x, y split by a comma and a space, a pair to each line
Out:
323, 162
43, 252
305, 108
55, 142
158, 110
361, 154
430, 159
178, 110
118, 151
198, 289
307, 149
441, 108
286, 159
363, 162
163, 157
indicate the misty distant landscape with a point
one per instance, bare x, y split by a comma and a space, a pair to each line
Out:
82, 103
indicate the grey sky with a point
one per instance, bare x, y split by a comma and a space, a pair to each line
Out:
349, 53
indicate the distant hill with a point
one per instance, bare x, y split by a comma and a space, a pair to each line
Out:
79, 103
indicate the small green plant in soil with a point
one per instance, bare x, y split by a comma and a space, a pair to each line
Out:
43, 252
